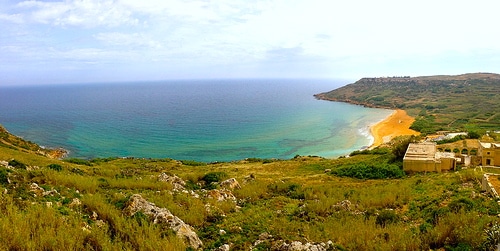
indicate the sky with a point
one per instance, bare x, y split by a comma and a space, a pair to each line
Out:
80, 41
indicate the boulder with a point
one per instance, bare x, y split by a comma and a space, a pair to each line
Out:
344, 205
177, 183
299, 246
163, 217
221, 194
36, 189
224, 247
4, 163
230, 183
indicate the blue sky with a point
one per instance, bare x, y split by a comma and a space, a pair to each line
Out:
76, 41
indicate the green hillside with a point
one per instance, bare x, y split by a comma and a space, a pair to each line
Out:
364, 202
463, 102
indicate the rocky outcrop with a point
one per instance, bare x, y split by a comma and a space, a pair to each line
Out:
221, 194
163, 217
177, 183
224, 247
39, 191
299, 246
281, 245
231, 184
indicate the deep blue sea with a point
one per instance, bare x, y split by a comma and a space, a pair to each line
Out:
203, 120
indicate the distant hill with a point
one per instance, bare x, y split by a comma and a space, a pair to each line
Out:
461, 102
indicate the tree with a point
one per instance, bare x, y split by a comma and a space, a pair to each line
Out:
401, 145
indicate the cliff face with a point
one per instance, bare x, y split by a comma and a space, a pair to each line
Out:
15, 142
451, 101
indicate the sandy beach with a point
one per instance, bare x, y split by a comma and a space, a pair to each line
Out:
397, 124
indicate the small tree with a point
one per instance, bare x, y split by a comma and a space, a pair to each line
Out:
401, 145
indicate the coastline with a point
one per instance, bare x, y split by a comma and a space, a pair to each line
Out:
396, 124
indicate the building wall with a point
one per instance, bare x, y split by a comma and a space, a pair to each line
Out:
420, 166
448, 164
490, 156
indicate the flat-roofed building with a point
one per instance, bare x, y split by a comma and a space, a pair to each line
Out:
490, 153
423, 157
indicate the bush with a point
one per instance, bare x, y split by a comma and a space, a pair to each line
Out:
55, 167
377, 151
193, 163
4, 176
214, 177
370, 171
461, 203
16, 164
264, 161
79, 161
386, 217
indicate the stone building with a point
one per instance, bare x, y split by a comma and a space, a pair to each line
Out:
490, 153
424, 157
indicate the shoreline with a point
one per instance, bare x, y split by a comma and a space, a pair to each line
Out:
396, 124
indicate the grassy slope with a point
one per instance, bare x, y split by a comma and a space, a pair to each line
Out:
293, 200
467, 101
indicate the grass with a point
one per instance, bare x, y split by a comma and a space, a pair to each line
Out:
292, 200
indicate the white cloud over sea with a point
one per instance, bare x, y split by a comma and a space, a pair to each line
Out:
118, 40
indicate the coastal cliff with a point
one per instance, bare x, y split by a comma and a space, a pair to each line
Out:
438, 102
14, 142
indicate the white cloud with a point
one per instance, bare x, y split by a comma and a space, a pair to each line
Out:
347, 36
13, 18
86, 13
128, 40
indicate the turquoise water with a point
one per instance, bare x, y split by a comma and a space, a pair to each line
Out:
203, 120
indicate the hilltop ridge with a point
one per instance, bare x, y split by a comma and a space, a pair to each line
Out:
454, 102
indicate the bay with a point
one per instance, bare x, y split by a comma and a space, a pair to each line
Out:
202, 120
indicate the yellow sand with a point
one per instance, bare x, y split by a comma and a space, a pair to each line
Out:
397, 124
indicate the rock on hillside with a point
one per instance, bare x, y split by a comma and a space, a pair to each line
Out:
162, 216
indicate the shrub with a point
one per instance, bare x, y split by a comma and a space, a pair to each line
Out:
17, 164
370, 171
55, 167
386, 217
193, 163
79, 161
492, 237
214, 177
378, 151
461, 203
4, 176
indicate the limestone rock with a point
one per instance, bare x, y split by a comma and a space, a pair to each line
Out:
177, 183
231, 184
221, 194
299, 246
224, 247
344, 205
162, 216
75, 202
36, 189
4, 163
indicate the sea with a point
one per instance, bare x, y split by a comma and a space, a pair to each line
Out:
201, 120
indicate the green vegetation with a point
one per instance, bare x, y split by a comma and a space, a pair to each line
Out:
363, 202
465, 102
373, 170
